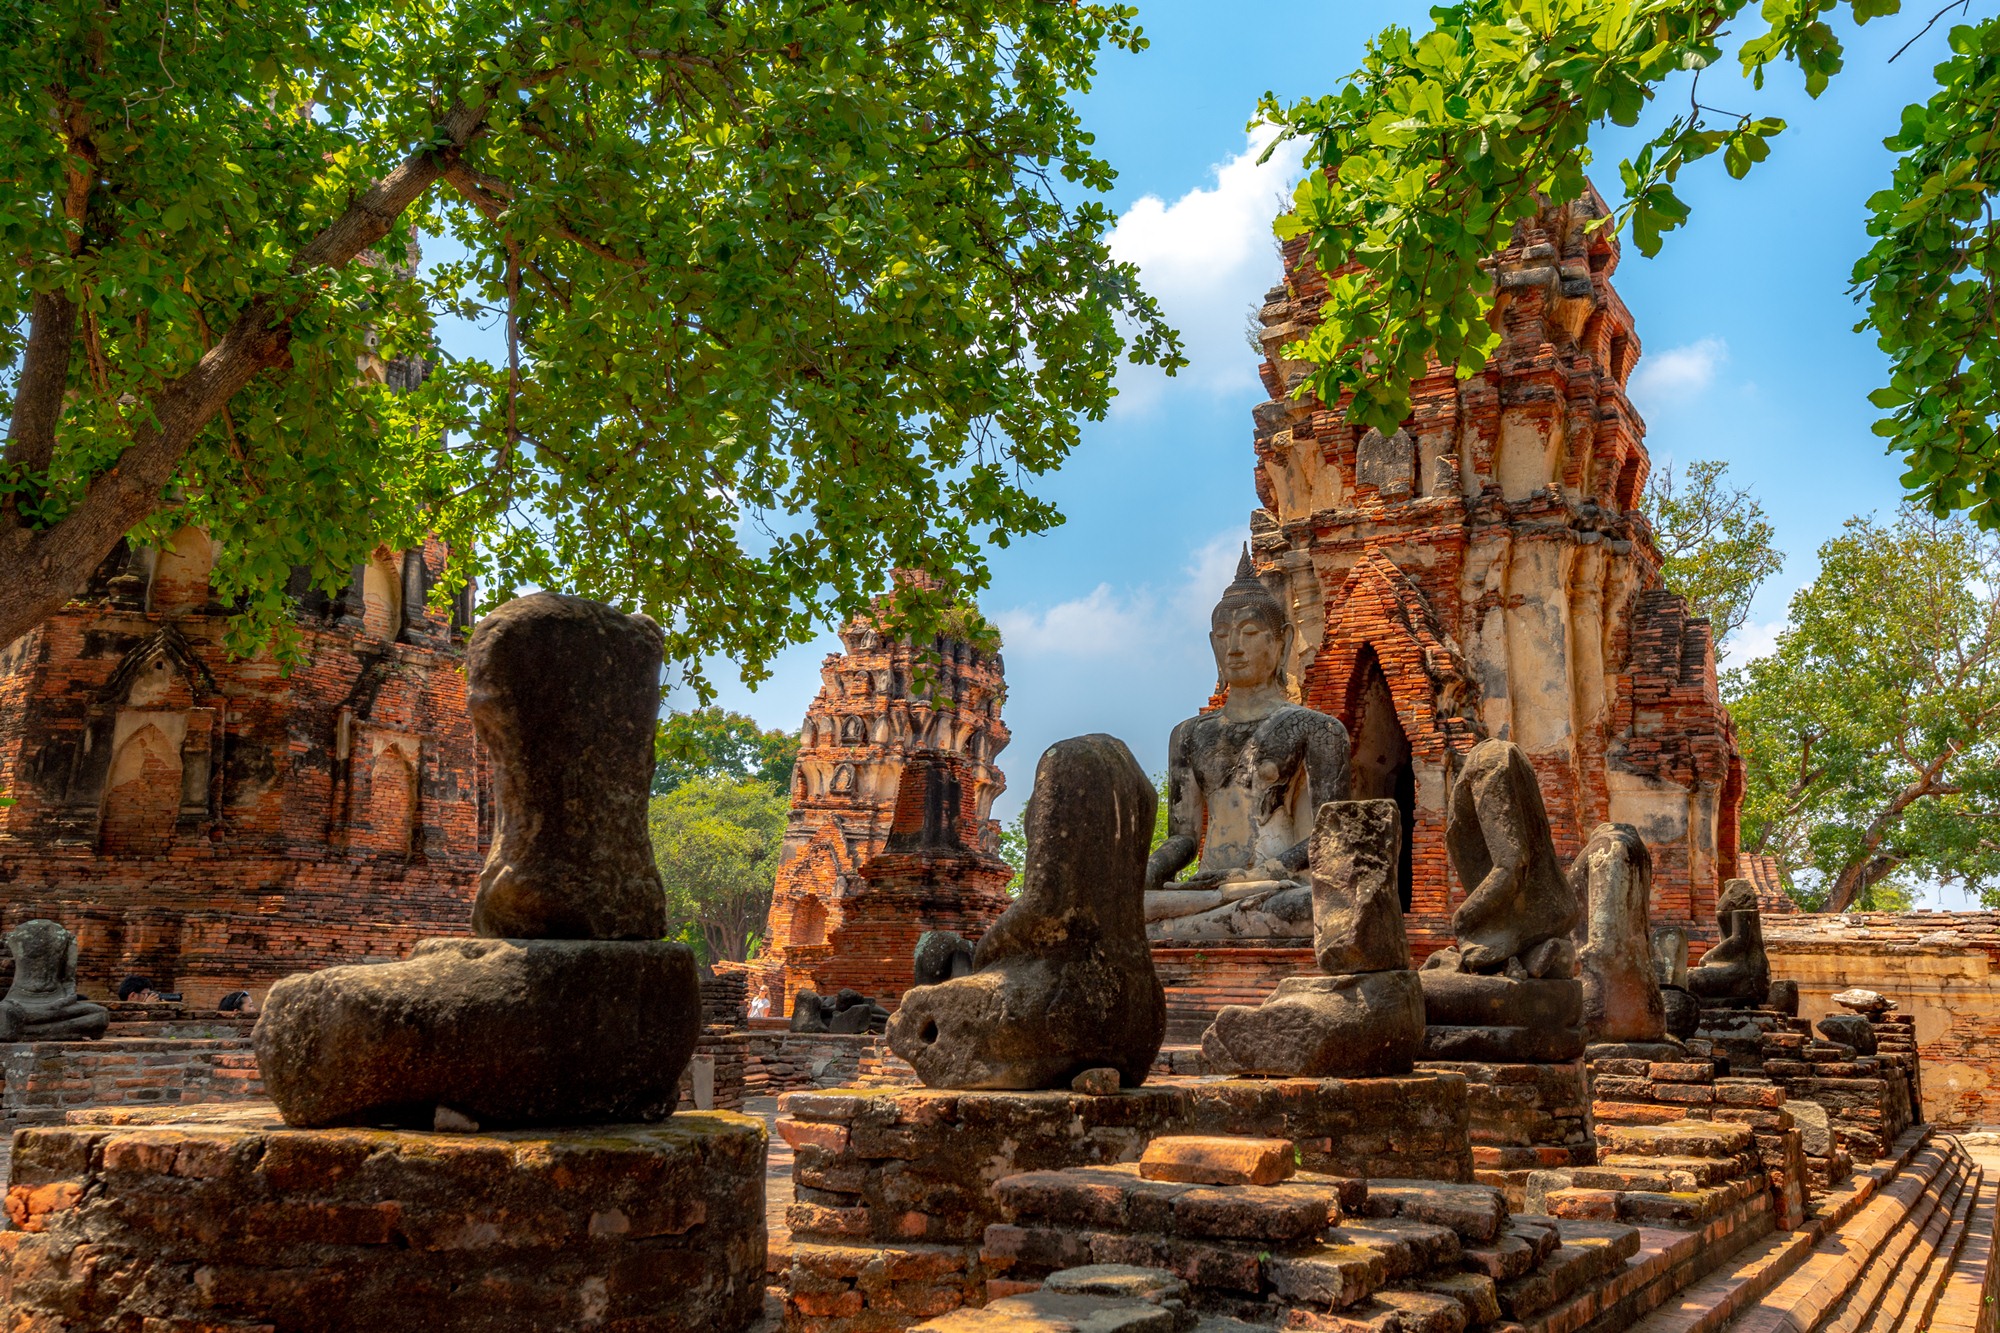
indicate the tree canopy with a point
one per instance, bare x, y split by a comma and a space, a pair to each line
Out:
792, 293
711, 742
1871, 736
716, 841
1442, 141
1716, 546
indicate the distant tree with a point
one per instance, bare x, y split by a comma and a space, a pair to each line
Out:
712, 743
1871, 736
1716, 546
716, 841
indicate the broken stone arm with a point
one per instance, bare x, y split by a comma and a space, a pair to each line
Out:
1496, 891
1327, 775
1184, 816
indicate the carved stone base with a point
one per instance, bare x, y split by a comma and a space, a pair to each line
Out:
213, 1218
1362, 1026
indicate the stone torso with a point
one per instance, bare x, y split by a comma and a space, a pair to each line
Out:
1255, 783
44, 974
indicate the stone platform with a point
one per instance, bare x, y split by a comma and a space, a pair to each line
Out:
221, 1217
894, 1186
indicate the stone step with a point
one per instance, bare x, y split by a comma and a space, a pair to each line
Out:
1116, 1198
1837, 1261
1877, 1285
1914, 1291
1679, 1209
1683, 1138
1476, 1212
1685, 1172
1965, 1300
1740, 1282
1589, 1252
1407, 1248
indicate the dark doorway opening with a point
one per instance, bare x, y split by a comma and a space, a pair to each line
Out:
1381, 768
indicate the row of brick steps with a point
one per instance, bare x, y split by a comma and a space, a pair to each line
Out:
1321, 1254
1681, 1175
1902, 1245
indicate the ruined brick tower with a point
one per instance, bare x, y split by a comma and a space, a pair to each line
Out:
1484, 571
213, 824
890, 832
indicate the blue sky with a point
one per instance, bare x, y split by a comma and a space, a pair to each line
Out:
1744, 319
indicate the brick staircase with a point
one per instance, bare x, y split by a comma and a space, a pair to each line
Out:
1320, 1254
1902, 1247
1681, 1175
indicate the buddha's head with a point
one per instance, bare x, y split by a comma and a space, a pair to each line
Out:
1249, 631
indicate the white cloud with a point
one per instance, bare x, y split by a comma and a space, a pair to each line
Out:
1119, 660
1679, 372
1208, 257
1101, 624
1754, 640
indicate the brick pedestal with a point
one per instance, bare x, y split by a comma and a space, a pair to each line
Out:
225, 1219
1524, 1118
893, 1187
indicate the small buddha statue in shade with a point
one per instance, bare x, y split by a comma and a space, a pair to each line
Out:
1244, 784
42, 1004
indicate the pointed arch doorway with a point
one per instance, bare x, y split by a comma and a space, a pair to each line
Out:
1380, 766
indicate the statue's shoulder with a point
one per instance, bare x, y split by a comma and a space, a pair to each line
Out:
1299, 720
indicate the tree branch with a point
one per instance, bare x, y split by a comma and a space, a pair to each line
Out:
48, 565
38, 391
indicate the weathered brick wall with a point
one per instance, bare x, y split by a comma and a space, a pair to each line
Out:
214, 823
1484, 571
42, 1081
1940, 969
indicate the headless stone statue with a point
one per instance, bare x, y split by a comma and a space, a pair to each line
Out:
1736, 971
1243, 784
1613, 876
565, 1007
1507, 991
1364, 1016
572, 771
1063, 982
42, 1004
941, 955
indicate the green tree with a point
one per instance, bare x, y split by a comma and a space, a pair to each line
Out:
713, 743
1441, 142
716, 841
793, 293
1715, 543
1871, 736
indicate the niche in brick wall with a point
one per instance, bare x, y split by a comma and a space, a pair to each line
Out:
382, 596
142, 790
383, 791
180, 574
808, 922
1380, 767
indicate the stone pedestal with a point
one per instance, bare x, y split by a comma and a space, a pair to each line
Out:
894, 1190
223, 1218
1524, 1117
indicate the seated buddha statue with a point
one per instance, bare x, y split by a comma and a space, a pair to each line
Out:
42, 1004
1243, 786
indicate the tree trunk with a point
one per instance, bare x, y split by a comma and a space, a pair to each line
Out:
45, 567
